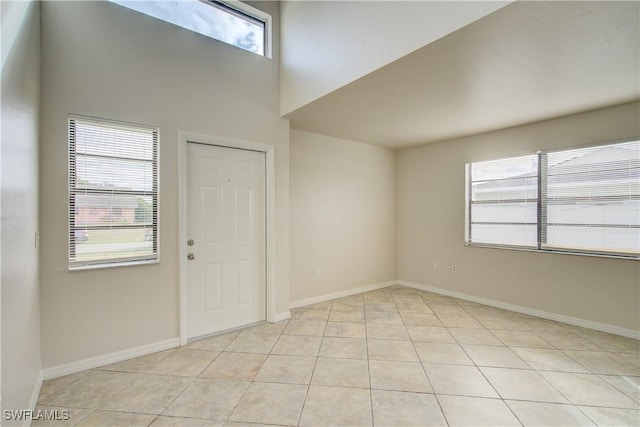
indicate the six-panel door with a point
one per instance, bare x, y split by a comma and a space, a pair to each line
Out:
226, 222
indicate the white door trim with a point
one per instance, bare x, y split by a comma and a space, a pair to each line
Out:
269, 150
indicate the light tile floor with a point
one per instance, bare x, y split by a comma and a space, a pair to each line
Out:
395, 356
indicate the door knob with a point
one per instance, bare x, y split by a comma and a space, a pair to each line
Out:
190, 242
191, 257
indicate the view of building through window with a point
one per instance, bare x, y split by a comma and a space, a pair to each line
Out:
113, 213
504, 208
579, 200
593, 198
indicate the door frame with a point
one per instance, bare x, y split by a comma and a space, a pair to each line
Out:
270, 224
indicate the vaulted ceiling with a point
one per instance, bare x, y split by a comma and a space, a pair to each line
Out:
526, 62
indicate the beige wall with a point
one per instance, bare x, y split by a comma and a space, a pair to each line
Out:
431, 226
343, 215
20, 298
363, 36
103, 60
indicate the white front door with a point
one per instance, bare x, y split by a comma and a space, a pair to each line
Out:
226, 285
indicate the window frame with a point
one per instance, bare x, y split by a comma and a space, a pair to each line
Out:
235, 8
541, 207
72, 191
469, 203
244, 11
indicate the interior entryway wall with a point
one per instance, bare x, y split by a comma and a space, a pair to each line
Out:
172, 79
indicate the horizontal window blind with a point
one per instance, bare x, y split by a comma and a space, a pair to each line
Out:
593, 199
582, 200
503, 199
113, 192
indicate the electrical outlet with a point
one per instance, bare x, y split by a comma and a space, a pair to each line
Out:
317, 272
435, 265
454, 268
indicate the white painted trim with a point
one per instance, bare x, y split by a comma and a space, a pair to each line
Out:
95, 362
182, 233
36, 391
341, 294
270, 169
262, 16
285, 315
603, 327
107, 359
271, 233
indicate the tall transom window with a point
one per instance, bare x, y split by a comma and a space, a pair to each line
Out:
232, 22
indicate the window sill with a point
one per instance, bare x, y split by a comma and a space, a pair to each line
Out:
552, 251
113, 265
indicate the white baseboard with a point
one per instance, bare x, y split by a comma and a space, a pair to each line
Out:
285, 315
95, 362
107, 359
341, 294
36, 392
603, 327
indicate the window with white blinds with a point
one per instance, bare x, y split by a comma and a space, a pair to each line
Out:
584, 200
503, 202
113, 193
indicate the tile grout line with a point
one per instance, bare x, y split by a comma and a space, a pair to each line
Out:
366, 343
534, 370
422, 364
315, 364
395, 298
478, 367
252, 378
502, 399
537, 371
